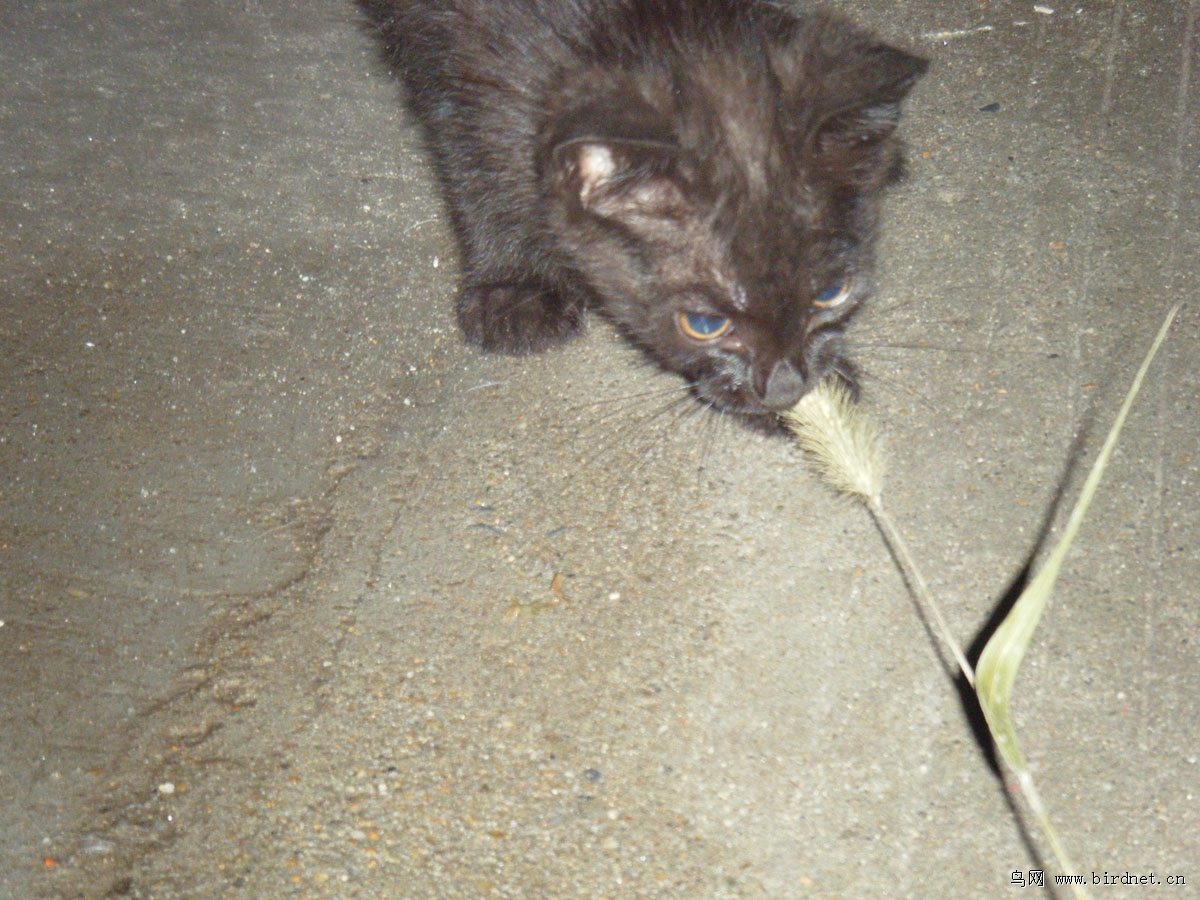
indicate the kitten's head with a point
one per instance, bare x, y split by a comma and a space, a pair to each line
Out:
722, 203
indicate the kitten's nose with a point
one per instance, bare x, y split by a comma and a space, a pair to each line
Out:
784, 387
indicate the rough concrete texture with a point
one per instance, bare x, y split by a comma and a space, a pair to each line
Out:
302, 598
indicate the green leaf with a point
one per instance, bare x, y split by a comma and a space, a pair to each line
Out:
1001, 658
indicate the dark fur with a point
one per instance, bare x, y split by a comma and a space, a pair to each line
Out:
649, 158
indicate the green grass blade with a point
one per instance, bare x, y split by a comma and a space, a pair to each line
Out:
1001, 658
997, 668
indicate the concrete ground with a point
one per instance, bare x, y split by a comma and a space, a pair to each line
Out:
301, 598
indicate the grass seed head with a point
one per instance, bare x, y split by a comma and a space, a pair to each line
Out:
841, 441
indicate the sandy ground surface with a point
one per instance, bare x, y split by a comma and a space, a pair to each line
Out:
302, 598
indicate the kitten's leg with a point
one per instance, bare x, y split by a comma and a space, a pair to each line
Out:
519, 317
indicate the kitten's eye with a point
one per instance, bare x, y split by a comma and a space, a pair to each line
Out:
831, 297
703, 327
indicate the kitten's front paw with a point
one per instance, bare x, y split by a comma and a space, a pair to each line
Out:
517, 318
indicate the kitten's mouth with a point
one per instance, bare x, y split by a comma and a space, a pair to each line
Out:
743, 401
756, 419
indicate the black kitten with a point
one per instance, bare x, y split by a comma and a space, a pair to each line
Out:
704, 172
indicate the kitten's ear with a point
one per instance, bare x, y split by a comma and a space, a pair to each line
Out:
864, 100
618, 179
613, 155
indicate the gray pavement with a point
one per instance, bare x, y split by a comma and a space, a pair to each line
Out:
303, 598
